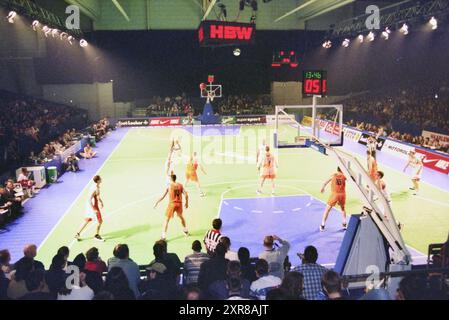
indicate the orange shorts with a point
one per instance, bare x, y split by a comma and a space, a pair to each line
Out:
172, 208
335, 198
192, 177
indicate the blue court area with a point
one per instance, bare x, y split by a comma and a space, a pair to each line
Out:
296, 218
205, 131
43, 213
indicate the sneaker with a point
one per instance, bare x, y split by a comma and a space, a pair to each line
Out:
259, 192
415, 193
99, 238
78, 237
412, 188
202, 194
321, 228
186, 233
273, 194
345, 226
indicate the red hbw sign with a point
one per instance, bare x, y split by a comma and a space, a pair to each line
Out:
223, 33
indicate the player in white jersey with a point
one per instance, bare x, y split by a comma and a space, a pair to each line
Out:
169, 168
417, 168
261, 151
383, 189
371, 144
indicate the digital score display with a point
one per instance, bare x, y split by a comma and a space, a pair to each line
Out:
314, 83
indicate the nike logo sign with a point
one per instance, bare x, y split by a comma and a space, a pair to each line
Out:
429, 161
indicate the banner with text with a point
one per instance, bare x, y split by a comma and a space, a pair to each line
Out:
251, 120
433, 135
435, 161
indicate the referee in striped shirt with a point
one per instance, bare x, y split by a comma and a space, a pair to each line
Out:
213, 236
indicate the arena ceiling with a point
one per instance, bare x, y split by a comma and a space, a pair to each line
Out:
187, 14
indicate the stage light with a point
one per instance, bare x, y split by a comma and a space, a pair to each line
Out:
434, 23
35, 25
237, 52
345, 43
404, 29
327, 44
360, 37
371, 36
11, 15
83, 43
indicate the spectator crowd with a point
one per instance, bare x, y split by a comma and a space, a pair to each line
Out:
218, 273
179, 105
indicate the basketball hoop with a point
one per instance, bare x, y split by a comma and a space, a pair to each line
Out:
210, 91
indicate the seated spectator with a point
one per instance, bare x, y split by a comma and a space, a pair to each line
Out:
248, 270
412, 287
65, 253
293, 285
332, 285
10, 196
88, 153
234, 286
35, 284
213, 236
445, 253
4, 283
193, 262
72, 163
103, 295
5, 263
25, 181
56, 276
130, 268
213, 269
192, 292
17, 287
117, 284
94, 262
276, 294
230, 255
80, 261
30, 251
157, 286
78, 292
275, 256
312, 272
377, 294
170, 260
5, 206
218, 290
265, 282
95, 281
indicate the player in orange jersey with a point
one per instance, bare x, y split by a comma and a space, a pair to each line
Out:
372, 164
338, 196
191, 172
267, 166
175, 192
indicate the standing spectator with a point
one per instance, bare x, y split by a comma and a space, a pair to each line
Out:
35, 284
130, 268
265, 282
213, 269
30, 251
312, 272
193, 262
213, 236
94, 262
230, 255
248, 270
293, 285
275, 257
332, 286
117, 284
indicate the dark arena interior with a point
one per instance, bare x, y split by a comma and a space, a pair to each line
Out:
222, 150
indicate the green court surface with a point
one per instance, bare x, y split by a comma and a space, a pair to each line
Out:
134, 178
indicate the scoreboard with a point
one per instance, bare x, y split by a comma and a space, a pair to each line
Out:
314, 83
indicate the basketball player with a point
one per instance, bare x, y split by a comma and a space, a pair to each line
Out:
371, 144
338, 196
261, 150
417, 165
191, 172
169, 168
268, 164
175, 192
372, 164
383, 188
175, 149
94, 204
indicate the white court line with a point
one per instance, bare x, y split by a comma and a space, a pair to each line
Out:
81, 192
434, 201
